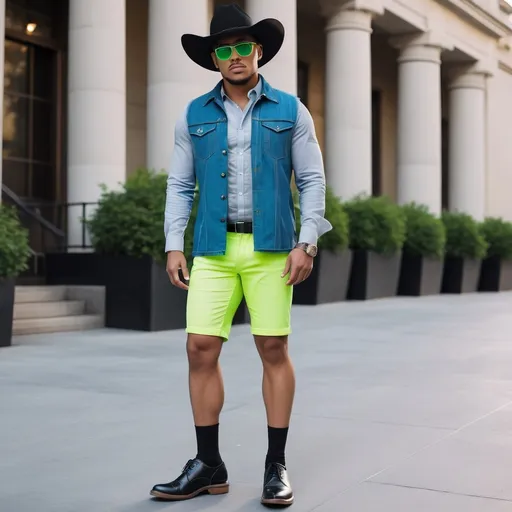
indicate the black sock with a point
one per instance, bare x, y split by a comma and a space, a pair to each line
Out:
208, 445
276, 445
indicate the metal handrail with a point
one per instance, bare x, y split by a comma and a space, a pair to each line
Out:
32, 213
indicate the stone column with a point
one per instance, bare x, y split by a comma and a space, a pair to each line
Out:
419, 120
281, 72
467, 143
173, 79
348, 124
97, 103
2, 32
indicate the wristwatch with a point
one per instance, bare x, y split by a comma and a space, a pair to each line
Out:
309, 249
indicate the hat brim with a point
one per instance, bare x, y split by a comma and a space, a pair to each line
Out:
268, 32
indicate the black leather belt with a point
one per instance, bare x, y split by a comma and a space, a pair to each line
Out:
240, 227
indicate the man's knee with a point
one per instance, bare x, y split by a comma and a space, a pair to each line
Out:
203, 351
273, 349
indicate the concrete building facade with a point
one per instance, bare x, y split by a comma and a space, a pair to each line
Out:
410, 99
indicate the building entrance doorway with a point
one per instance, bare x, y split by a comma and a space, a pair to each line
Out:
29, 121
32, 102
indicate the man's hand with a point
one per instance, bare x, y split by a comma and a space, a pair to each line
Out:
299, 265
176, 261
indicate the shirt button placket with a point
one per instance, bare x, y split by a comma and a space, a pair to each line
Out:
240, 165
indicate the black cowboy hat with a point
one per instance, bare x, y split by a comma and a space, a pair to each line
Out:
230, 20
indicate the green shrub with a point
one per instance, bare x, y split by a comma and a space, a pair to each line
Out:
14, 244
376, 224
463, 236
424, 232
498, 235
130, 221
338, 237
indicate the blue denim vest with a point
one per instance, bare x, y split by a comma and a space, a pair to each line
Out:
273, 120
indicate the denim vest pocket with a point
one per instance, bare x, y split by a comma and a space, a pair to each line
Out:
277, 138
203, 138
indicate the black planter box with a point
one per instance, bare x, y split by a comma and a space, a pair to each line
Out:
460, 275
373, 276
328, 281
420, 275
495, 275
77, 268
139, 294
7, 288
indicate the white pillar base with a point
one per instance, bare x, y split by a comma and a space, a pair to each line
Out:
467, 144
419, 121
97, 104
348, 124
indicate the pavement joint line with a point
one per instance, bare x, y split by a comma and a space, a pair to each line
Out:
416, 452
441, 491
448, 436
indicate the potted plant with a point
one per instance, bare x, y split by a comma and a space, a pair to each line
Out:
421, 268
328, 281
377, 233
127, 235
496, 269
465, 248
14, 255
126, 232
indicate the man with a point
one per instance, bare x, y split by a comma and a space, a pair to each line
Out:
239, 143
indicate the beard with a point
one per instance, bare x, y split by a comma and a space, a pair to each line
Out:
239, 81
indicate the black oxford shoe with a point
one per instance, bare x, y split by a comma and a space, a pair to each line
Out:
276, 486
196, 478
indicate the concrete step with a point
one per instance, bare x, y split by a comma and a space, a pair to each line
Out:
26, 310
25, 294
57, 324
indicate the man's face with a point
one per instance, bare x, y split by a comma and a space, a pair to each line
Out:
237, 66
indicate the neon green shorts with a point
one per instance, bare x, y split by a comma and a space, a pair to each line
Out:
218, 284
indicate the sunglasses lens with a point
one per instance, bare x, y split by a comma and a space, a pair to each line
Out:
244, 49
223, 52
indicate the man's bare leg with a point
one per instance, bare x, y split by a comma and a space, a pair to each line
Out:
278, 392
206, 389
206, 472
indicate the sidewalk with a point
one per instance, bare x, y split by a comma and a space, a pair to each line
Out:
402, 405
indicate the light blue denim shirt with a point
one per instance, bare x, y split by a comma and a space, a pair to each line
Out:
307, 165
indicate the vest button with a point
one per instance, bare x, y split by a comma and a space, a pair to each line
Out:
223, 220
224, 152
223, 175
223, 197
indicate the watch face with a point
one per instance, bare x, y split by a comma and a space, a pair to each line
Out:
312, 250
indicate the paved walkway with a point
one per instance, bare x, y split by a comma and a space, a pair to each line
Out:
402, 405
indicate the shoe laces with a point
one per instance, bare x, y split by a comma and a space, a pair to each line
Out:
189, 466
273, 471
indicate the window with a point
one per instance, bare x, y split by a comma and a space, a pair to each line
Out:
302, 82
30, 84
445, 177
376, 149
28, 121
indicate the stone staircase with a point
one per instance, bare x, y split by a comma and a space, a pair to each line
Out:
47, 309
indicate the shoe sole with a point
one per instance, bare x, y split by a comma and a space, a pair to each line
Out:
210, 489
281, 502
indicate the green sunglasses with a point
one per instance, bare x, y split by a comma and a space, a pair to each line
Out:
243, 49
